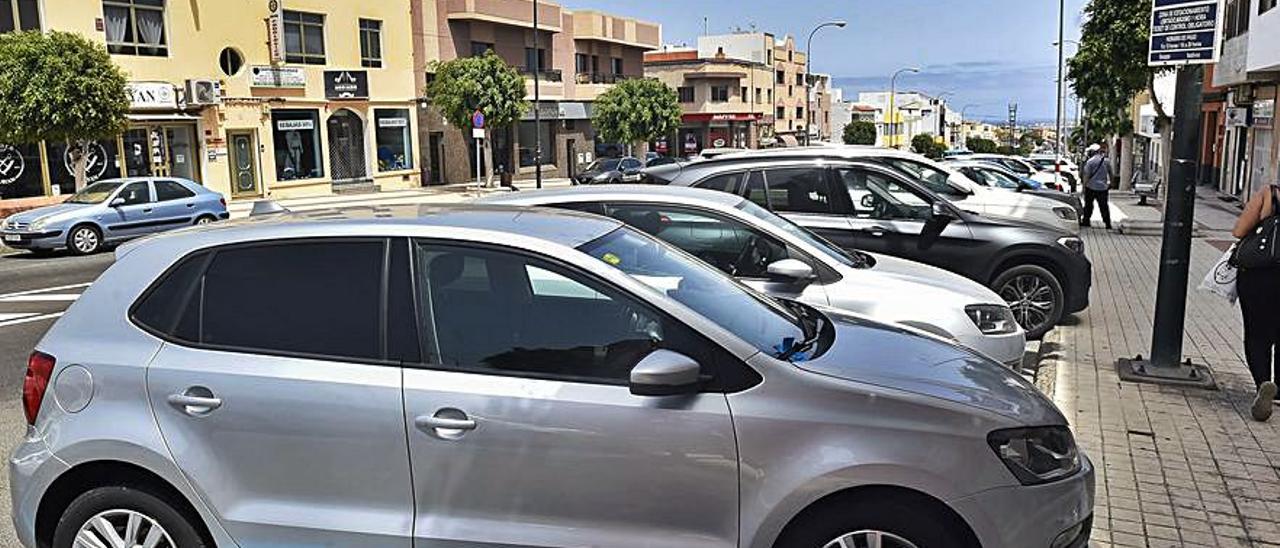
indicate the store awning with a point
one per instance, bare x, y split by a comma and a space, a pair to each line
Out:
789, 141
166, 117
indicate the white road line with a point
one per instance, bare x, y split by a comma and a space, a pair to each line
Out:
46, 290
30, 319
41, 297
4, 316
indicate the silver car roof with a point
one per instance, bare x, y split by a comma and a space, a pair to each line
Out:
627, 192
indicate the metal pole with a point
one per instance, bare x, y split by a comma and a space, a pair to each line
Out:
537, 102
1057, 145
808, 74
893, 92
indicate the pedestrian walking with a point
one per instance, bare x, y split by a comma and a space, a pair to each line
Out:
1258, 288
1097, 183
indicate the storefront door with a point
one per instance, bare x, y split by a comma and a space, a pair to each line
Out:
244, 165
346, 147
168, 150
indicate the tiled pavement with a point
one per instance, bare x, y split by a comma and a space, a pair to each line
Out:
1176, 467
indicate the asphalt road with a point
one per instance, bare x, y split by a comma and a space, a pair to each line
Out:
33, 290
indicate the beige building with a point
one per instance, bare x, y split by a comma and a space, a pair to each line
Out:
725, 102
310, 98
581, 54
789, 79
820, 104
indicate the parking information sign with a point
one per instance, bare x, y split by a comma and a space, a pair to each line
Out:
1185, 32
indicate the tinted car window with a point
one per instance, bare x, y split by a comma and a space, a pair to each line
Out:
728, 182
312, 298
503, 313
801, 190
630, 163
932, 178
160, 308
135, 193
876, 196
756, 191
171, 190
724, 243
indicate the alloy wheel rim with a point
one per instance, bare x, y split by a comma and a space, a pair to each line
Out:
86, 240
122, 529
868, 538
203, 221
1030, 298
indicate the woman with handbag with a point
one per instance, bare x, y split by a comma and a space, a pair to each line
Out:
1258, 285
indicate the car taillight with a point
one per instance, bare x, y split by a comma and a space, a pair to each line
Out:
39, 369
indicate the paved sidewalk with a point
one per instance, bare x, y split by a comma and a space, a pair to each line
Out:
1176, 467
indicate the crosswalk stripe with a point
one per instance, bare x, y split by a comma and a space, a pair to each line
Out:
30, 319
41, 297
45, 290
6, 316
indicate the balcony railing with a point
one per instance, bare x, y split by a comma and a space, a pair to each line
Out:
601, 78
549, 75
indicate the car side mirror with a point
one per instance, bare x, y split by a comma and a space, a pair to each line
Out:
942, 212
665, 373
792, 270
1023, 185
116, 202
868, 201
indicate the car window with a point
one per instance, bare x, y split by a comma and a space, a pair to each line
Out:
171, 190
318, 299
94, 194
1001, 179
800, 190
503, 313
932, 178
728, 182
876, 196
607, 164
135, 193
832, 250
724, 243
1016, 166
755, 190
630, 163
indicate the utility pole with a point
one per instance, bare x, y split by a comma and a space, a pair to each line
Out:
537, 102
1057, 146
808, 76
1013, 125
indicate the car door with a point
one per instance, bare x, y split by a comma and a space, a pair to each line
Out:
733, 247
807, 195
175, 204
523, 431
131, 212
895, 218
278, 398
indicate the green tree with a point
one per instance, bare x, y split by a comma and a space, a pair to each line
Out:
1006, 150
980, 145
636, 110
60, 87
860, 132
484, 83
928, 145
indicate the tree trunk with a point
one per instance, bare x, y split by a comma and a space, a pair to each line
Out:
488, 163
79, 159
1126, 163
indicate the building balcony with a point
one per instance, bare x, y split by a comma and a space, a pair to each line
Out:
518, 13
593, 25
545, 75
602, 78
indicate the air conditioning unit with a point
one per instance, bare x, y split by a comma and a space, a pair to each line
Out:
204, 92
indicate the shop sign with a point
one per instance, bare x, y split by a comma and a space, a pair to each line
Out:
152, 96
393, 122
262, 76
1184, 32
275, 30
12, 165
1264, 113
730, 117
346, 84
95, 164
295, 125
1237, 117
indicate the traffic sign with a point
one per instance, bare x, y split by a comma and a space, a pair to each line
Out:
477, 120
1184, 32
477, 133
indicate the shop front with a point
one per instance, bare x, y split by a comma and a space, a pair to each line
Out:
722, 130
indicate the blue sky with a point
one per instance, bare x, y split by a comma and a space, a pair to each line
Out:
987, 52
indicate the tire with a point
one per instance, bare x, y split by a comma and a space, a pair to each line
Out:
1025, 288
204, 220
899, 523
117, 505
84, 240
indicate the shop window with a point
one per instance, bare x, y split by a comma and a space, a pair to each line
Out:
370, 43
19, 15
479, 48
686, 94
528, 133
135, 27
231, 61
297, 144
395, 142
719, 94
304, 38
20, 171
102, 162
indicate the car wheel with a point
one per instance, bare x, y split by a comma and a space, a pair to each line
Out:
124, 517
1035, 296
84, 240
887, 523
204, 220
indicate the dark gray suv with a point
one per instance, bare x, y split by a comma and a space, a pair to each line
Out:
1040, 270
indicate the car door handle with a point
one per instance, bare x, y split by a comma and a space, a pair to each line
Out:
195, 402
875, 231
147, 210
444, 423
191, 205
447, 424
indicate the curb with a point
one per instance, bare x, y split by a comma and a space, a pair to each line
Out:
1046, 361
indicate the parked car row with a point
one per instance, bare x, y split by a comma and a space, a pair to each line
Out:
505, 375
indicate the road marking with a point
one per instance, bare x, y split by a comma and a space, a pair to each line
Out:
4, 317
31, 319
41, 297
45, 290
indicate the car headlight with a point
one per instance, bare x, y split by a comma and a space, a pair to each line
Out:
992, 319
1037, 455
39, 224
1073, 243
1065, 213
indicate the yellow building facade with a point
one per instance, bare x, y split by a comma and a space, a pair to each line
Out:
252, 98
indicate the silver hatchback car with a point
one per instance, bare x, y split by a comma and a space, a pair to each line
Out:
485, 376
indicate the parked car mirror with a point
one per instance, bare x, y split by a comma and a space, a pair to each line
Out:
790, 270
942, 212
117, 202
665, 373
868, 200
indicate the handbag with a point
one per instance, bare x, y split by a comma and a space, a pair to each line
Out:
1258, 249
1221, 279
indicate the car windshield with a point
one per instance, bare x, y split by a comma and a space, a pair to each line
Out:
754, 318
832, 250
94, 194
1044, 162
1000, 178
607, 164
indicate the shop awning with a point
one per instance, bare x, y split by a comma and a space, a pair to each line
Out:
789, 141
163, 117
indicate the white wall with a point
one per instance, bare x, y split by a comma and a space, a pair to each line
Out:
748, 46
1264, 39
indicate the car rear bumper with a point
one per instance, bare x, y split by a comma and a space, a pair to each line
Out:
32, 240
1033, 516
32, 468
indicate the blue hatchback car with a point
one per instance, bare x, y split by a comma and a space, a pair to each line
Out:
111, 211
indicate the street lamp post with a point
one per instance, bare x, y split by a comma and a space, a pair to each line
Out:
893, 114
537, 102
1062, 112
808, 74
